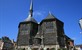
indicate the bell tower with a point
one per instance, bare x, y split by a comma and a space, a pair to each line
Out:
27, 30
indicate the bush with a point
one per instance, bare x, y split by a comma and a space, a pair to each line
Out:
59, 49
62, 49
52, 49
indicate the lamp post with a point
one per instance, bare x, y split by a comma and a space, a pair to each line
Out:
80, 23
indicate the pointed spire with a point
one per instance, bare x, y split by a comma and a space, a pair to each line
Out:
30, 18
31, 9
31, 5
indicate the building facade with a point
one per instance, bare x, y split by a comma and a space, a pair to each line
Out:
46, 35
6, 44
1, 44
78, 47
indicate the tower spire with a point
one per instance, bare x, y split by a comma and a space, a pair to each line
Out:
31, 9
31, 5
30, 18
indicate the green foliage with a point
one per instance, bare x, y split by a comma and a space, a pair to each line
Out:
62, 49
59, 49
23, 48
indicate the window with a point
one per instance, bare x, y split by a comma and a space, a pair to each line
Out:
24, 29
49, 25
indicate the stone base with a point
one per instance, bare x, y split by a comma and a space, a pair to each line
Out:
41, 47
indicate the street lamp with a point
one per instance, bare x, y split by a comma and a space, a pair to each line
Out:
80, 23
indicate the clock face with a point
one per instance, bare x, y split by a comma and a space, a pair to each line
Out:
24, 29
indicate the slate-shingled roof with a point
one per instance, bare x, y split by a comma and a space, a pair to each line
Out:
30, 19
50, 16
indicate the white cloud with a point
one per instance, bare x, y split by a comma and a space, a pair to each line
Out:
38, 13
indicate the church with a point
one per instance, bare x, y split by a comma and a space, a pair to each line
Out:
46, 35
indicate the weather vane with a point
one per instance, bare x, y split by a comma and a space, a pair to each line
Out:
80, 23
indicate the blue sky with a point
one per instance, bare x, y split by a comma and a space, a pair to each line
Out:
14, 11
